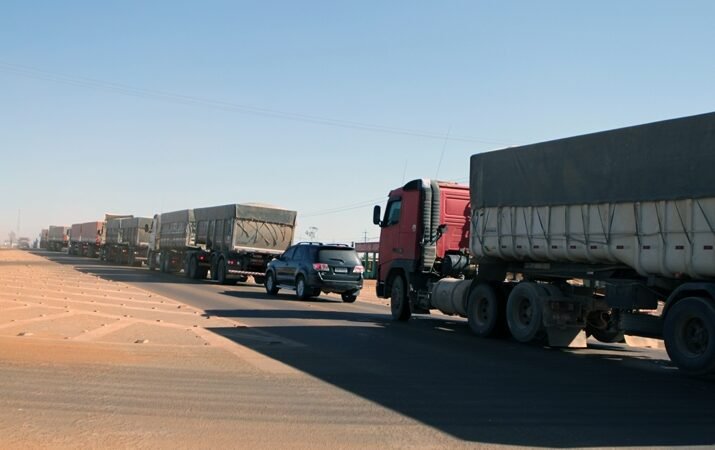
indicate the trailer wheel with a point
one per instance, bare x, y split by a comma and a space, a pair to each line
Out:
523, 312
221, 273
689, 333
483, 310
399, 303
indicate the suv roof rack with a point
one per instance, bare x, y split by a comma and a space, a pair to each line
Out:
309, 243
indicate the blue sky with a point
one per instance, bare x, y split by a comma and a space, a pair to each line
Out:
489, 73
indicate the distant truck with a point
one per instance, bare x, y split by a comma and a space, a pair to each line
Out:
599, 234
232, 242
43, 238
57, 238
88, 238
23, 243
126, 240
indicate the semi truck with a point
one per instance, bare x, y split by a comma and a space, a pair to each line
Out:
88, 238
57, 238
43, 238
601, 234
232, 242
126, 240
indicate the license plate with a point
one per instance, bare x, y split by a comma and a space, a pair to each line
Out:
341, 270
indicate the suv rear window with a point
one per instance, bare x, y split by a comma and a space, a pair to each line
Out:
332, 256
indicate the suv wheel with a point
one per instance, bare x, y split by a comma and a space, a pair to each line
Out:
271, 287
349, 297
301, 290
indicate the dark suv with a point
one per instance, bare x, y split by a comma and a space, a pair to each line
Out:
313, 267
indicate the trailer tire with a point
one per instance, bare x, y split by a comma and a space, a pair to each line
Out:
689, 333
523, 312
221, 273
483, 311
399, 302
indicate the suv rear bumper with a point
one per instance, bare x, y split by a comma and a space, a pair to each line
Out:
337, 286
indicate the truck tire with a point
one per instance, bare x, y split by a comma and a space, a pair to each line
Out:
611, 333
151, 261
399, 303
221, 273
271, 286
301, 289
192, 268
689, 333
483, 310
523, 312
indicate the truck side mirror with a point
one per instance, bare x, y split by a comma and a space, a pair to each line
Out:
376, 214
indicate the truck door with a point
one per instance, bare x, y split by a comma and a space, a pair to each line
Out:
390, 249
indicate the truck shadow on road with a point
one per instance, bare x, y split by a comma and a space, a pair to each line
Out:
495, 391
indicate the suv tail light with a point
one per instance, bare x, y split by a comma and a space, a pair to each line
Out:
358, 269
321, 267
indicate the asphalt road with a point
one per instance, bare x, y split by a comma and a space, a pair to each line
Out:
431, 370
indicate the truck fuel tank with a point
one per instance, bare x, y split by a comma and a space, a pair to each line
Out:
449, 295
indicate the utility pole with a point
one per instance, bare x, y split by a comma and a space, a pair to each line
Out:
364, 236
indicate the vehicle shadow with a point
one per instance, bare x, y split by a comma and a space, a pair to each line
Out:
495, 391
262, 295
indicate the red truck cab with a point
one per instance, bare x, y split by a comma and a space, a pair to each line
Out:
424, 237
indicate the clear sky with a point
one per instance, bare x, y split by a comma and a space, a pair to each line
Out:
139, 107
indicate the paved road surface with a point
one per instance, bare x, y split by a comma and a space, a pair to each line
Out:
433, 372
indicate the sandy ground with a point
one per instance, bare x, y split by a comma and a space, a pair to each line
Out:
90, 363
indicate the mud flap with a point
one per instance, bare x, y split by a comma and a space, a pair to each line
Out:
566, 337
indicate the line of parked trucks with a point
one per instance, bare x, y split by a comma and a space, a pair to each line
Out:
230, 242
601, 234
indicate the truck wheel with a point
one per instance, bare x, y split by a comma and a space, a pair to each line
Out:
612, 332
689, 333
301, 290
483, 310
399, 303
130, 259
221, 273
523, 312
349, 297
271, 287
192, 271
151, 261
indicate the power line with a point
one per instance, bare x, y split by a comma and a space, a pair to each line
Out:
152, 94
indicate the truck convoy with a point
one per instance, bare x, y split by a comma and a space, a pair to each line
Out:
233, 241
126, 241
598, 234
57, 238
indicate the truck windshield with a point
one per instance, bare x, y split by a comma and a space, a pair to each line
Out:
338, 256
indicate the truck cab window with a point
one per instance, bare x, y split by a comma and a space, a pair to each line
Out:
392, 213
